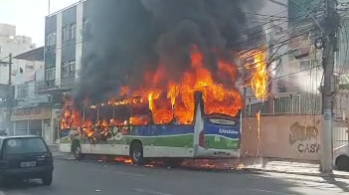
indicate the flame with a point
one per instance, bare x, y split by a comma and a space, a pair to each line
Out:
123, 160
259, 81
162, 100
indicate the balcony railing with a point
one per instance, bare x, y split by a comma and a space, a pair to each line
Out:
43, 86
68, 82
286, 105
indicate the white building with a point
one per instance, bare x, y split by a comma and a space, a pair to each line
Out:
10, 42
32, 111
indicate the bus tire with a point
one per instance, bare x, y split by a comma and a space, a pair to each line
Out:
76, 150
136, 153
342, 163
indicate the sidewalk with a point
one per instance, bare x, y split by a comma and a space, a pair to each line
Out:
60, 155
298, 168
249, 165
63, 156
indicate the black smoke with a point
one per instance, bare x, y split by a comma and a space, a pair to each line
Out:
127, 37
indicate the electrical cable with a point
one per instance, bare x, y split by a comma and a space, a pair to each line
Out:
258, 32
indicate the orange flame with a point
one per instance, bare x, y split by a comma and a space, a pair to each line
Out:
259, 81
176, 102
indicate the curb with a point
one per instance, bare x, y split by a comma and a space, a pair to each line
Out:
62, 158
298, 173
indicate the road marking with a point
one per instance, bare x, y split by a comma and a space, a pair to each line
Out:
118, 172
267, 191
150, 192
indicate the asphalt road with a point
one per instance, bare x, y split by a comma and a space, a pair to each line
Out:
94, 178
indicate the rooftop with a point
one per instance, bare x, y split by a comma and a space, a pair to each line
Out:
32, 55
61, 10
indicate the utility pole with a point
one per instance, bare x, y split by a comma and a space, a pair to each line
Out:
330, 44
10, 95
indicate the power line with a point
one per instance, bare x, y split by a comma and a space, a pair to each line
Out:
258, 32
298, 17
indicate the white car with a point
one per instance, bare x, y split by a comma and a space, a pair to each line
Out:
341, 158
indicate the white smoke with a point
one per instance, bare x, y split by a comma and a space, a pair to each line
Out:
298, 81
308, 81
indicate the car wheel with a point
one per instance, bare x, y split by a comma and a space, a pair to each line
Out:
137, 153
77, 152
47, 179
342, 163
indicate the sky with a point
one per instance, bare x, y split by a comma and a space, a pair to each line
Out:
29, 16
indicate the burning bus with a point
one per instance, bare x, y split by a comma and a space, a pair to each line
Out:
195, 117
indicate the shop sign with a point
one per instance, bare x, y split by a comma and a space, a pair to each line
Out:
35, 113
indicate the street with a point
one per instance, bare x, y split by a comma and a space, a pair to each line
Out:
76, 178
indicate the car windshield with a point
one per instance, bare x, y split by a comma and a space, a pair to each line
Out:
25, 145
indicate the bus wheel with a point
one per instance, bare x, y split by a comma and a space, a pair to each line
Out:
136, 153
76, 149
342, 163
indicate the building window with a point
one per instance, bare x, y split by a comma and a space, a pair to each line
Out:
69, 32
22, 91
51, 39
84, 24
68, 69
65, 70
86, 30
72, 68
50, 74
73, 31
65, 33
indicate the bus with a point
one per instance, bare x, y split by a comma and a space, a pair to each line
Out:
212, 135
207, 136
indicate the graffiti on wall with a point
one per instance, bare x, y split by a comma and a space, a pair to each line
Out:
305, 137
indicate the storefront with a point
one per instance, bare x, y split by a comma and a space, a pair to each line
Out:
31, 121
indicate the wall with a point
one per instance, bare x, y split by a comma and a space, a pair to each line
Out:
7, 30
285, 137
14, 48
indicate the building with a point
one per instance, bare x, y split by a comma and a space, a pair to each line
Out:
32, 112
64, 46
63, 52
301, 9
10, 42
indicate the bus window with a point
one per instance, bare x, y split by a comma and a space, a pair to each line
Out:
161, 108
